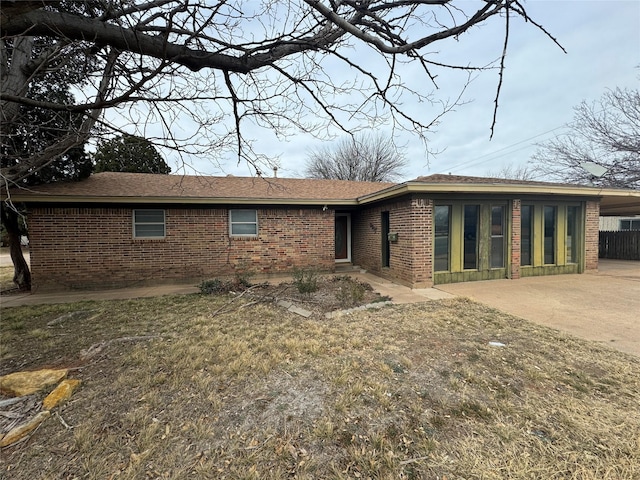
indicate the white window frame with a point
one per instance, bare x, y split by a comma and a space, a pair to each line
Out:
149, 237
232, 223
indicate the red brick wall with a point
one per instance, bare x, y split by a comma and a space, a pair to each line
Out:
411, 256
592, 234
366, 239
422, 248
91, 247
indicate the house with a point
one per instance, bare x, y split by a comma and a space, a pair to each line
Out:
116, 229
619, 224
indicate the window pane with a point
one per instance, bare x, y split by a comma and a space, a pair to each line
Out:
525, 234
497, 220
243, 222
149, 230
149, 216
497, 237
244, 229
441, 250
549, 235
471, 236
635, 224
243, 216
572, 234
148, 223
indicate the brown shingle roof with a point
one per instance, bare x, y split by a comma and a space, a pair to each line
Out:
457, 179
176, 187
142, 188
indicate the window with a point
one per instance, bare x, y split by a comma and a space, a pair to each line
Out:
148, 224
572, 234
441, 253
243, 223
526, 231
497, 237
552, 236
549, 235
629, 224
470, 261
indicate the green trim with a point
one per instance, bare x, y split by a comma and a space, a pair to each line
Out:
549, 270
441, 278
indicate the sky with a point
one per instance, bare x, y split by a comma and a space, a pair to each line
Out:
541, 86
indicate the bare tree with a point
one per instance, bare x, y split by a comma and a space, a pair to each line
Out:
221, 68
365, 157
606, 133
513, 172
204, 77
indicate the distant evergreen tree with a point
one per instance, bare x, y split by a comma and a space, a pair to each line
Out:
129, 153
34, 131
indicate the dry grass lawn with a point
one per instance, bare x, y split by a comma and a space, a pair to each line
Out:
412, 391
6, 278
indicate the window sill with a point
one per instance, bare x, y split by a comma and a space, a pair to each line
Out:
243, 237
149, 239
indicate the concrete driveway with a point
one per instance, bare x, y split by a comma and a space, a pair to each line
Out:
603, 306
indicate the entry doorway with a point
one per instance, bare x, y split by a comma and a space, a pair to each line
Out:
343, 238
386, 247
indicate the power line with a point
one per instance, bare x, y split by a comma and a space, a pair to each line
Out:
475, 161
479, 160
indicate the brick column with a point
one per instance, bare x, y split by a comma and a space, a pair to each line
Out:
422, 243
592, 234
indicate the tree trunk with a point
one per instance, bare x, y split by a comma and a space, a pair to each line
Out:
21, 272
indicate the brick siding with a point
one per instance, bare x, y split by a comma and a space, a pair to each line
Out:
592, 234
411, 257
89, 247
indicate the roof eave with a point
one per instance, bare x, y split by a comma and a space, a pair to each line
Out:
490, 188
86, 199
627, 196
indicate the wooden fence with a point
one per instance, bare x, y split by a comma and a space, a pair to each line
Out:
620, 245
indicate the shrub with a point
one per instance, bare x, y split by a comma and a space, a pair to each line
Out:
214, 286
217, 286
243, 275
351, 292
305, 280
382, 298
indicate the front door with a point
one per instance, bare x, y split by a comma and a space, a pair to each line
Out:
343, 248
386, 248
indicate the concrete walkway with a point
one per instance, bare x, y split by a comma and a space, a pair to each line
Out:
35, 298
603, 306
398, 293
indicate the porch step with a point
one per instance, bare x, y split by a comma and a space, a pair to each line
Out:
347, 267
